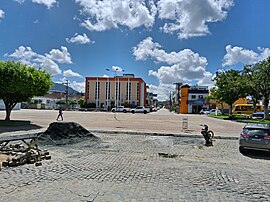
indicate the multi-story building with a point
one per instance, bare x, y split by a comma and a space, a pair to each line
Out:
115, 91
192, 99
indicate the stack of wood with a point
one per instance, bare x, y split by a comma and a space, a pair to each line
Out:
19, 155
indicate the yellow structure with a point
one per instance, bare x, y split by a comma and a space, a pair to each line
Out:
184, 100
214, 104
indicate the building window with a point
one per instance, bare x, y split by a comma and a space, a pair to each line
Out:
193, 97
88, 90
108, 90
128, 91
97, 90
200, 96
119, 90
138, 90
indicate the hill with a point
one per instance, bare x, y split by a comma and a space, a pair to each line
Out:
58, 87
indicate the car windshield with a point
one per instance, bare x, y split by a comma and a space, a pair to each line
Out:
256, 131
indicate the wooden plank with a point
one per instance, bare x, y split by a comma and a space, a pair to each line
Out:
18, 137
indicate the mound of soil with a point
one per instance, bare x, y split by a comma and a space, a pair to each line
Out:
61, 133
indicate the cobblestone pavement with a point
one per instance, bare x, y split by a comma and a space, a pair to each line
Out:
141, 168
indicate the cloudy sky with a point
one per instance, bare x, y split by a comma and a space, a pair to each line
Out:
161, 41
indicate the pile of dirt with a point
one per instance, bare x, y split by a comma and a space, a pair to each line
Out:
61, 133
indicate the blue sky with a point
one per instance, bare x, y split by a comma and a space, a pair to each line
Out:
161, 41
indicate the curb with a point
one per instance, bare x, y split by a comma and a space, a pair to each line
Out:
160, 134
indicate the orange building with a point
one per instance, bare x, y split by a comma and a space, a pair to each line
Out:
115, 91
192, 99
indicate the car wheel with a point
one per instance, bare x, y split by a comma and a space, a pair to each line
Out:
133, 112
113, 110
242, 150
125, 111
144, 112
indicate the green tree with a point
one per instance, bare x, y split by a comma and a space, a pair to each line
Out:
19, 82
261, 77
214, 96
229, 87
81, 102
252, 84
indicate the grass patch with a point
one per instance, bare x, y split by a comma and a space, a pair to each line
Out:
240, 118
233, 117
254, 121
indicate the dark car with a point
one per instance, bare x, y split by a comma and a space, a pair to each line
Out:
258, 115
255, 136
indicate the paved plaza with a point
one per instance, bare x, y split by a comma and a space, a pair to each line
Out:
161, 122
140, 167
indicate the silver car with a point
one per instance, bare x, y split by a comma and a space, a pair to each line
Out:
255, 136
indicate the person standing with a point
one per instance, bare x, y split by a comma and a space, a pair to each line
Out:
60, 114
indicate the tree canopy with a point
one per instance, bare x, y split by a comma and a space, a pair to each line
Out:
229, 87
253, 80
260, 80
19, 82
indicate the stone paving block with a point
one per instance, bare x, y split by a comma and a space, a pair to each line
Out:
119, 171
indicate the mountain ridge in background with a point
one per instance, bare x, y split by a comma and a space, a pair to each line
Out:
59, 87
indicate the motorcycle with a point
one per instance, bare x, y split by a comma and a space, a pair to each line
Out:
207, 134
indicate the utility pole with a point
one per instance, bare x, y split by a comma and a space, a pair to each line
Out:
178, 85
66, 84
117, 93
170, 101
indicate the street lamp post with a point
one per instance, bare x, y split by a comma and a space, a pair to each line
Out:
116, 88
66, 83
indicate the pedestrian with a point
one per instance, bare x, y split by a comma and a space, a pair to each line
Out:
60, 114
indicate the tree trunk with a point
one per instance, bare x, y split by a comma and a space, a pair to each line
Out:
230, 110
9, 106
265, 108
222, 108
254, 105
8, 112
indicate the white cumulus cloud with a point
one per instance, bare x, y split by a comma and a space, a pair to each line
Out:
183, 66
2, 14
235, 55
78, 86
108, 14
186, 18
70, 73
61, 56
79, 39
47, 64
162, 90
48, 61
20, 1
48, 3
190, 18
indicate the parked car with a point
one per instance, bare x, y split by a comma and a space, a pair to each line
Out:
255, 136
140, 109
215, 111
121, 109
212, 111
258, 115
203, 111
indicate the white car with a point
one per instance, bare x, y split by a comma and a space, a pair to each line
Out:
121, 109
140, 109
213, 111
